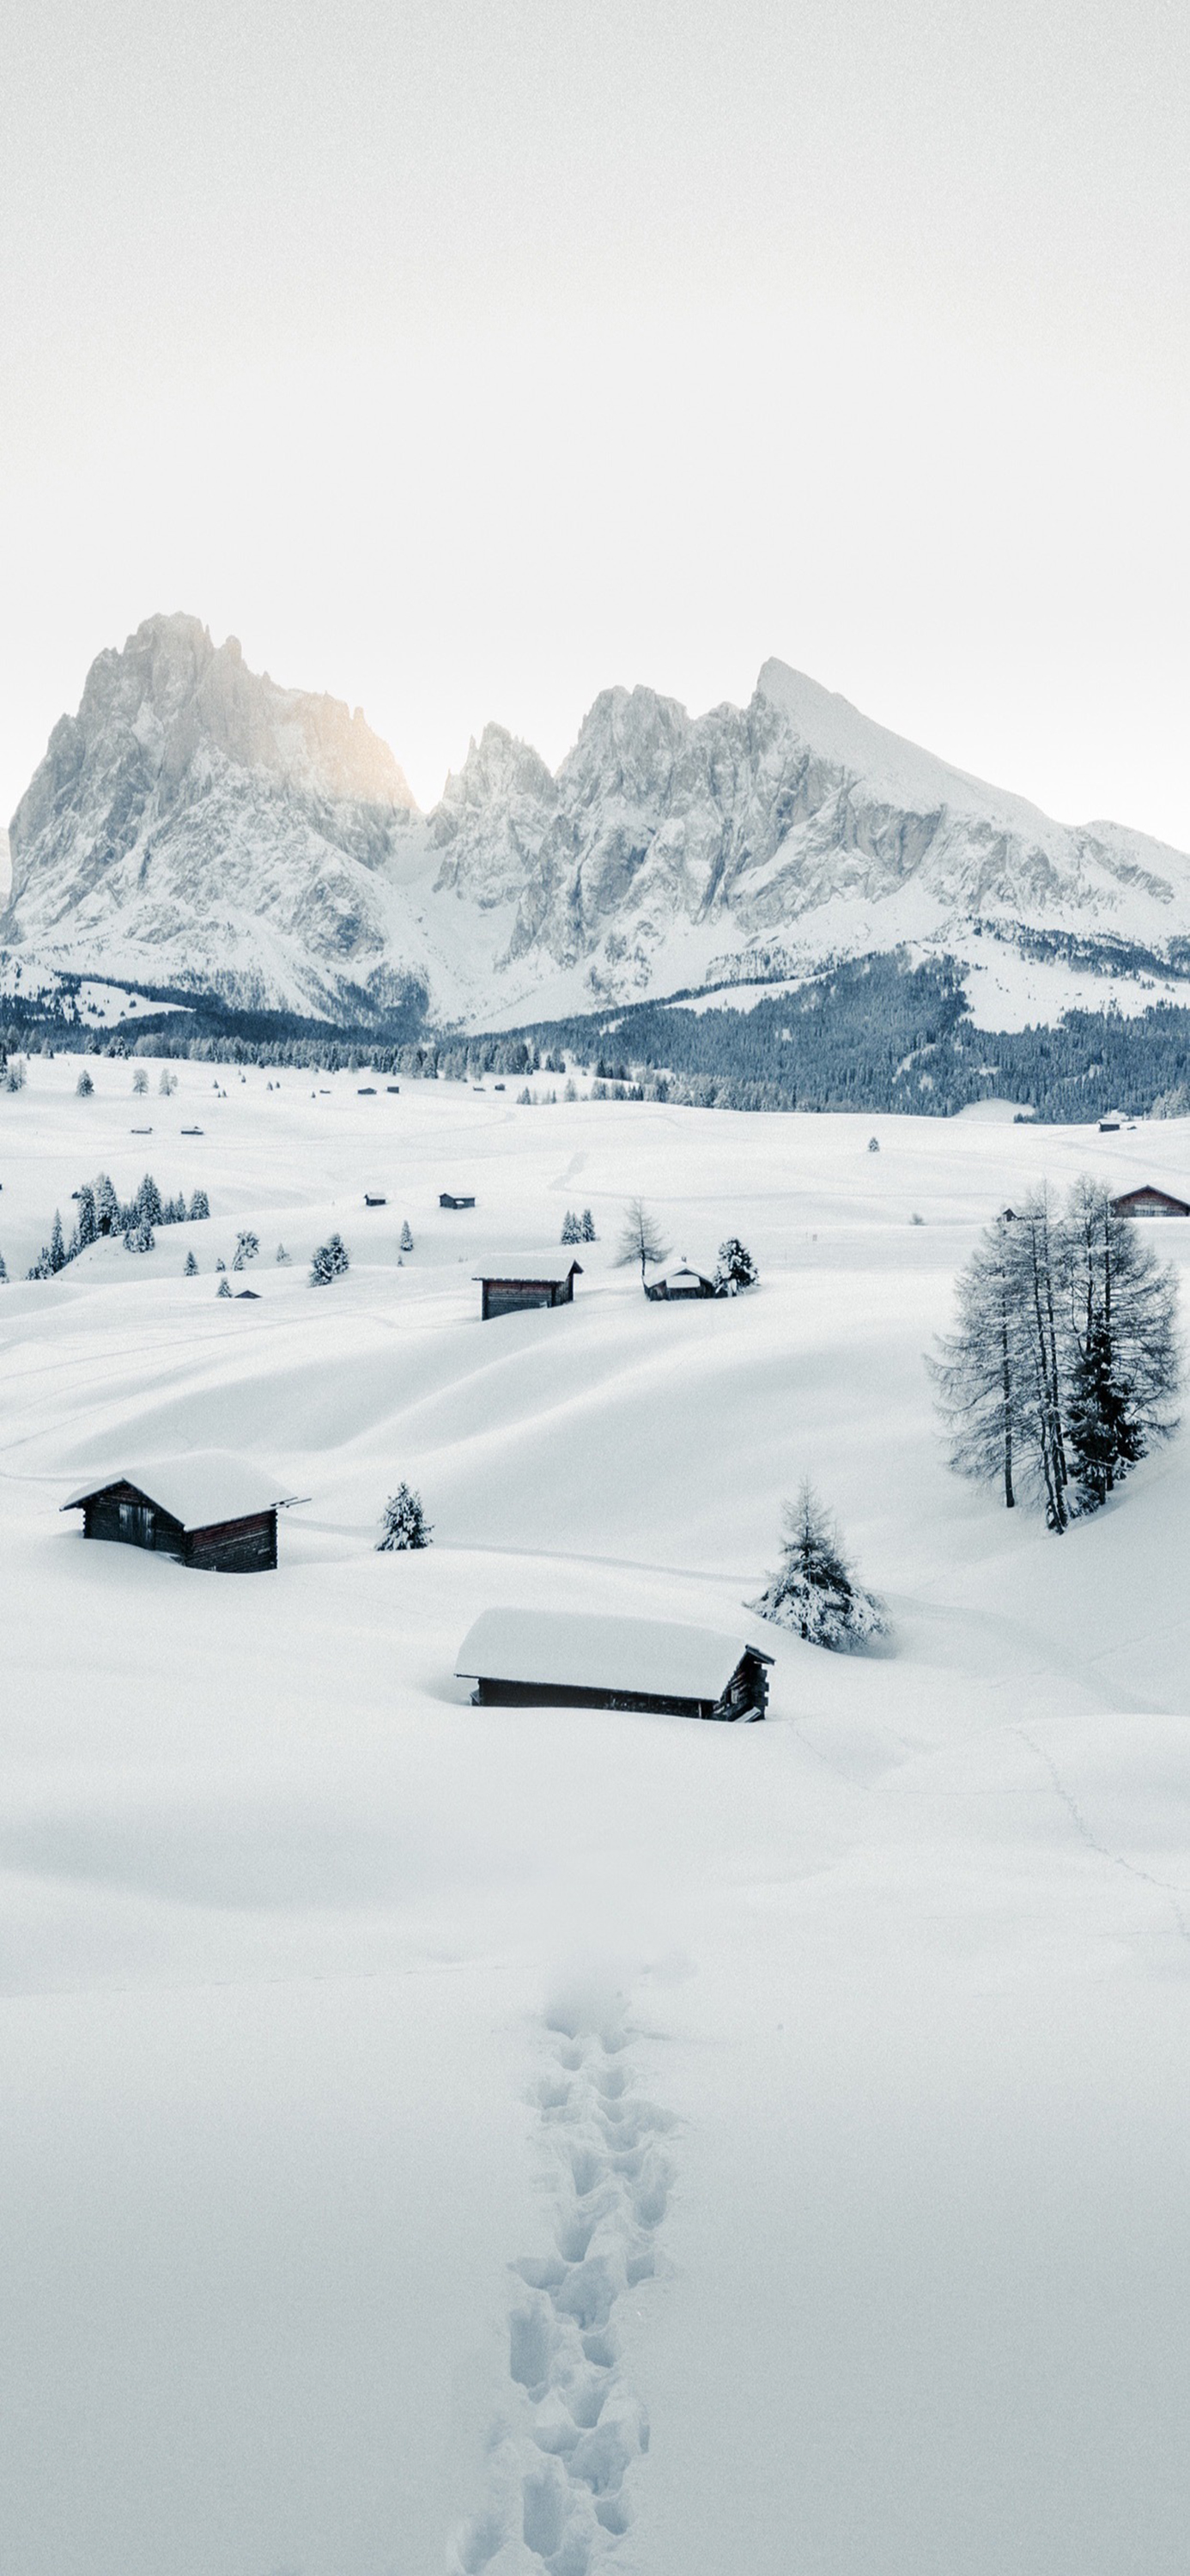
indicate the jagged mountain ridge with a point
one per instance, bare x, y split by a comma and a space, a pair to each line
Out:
198, 825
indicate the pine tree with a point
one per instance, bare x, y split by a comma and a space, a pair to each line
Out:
587, 1232
737, 1268
220, 1263
873, 1144
148, 1201
140, 1081
572, 1231
980, 1371
190, 1267
329, 1262
57, 1250
168, 1083
139, 1237
281, 1253
404, 1523
15, 1075
199, 1206
641, 1238
1103, 1436
1124, 1366
84, 1086
814, 1590
247, 1247
224, 1288
107, 1206
570, 1092
406, 1242
87, 1226
3, 1272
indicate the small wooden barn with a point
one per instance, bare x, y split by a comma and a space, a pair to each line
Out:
210, 1509
447, 1201
510, 1296
1149, 1201
564, 1659
679, 1284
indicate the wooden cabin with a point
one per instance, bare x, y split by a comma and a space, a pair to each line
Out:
375, 1198
1149, 1201
509, 1296
446, 1200
680, 1283
565, 1659
209, 1509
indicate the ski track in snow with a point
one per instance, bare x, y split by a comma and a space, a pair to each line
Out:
557, 2497
1164, 1886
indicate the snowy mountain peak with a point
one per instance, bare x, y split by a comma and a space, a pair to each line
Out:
198, 825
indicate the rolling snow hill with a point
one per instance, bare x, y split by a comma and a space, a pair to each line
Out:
515, 2142
197, 827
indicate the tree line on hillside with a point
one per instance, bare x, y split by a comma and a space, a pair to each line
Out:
101, 1212
1064, 1364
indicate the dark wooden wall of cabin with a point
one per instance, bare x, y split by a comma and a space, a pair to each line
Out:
235, 1547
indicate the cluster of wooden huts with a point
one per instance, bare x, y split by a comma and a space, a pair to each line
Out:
212, 1510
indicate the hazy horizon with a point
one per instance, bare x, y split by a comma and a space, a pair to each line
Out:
463, 361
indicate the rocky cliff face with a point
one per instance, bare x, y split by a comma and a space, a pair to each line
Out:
235, 832
264, 843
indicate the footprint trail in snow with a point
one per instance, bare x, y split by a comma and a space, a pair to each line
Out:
558, 2470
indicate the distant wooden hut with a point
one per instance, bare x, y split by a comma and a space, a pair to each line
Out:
208, 1509
1149, 1201
446, 1200
510, 1296
564, 1659
679, 1284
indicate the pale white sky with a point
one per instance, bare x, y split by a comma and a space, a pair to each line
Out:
464, 356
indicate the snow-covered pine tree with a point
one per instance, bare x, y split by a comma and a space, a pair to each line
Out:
87, 1223
281, 1253
1123, 1363
524, 1099
873, 1144
247, 1245
56, 1255
572, 1231
148, 1201
200, 1206
107, 1206
3, 1272
736, 1270
814, 1590
406, 1242
570, 1092
84, 1086
168, 1083
190, 1267
330, 1261
404, 1523
224, 1288
139, 1236
220, 1263
15, 1074
587, 1232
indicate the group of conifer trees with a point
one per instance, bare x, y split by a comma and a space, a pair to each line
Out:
1064, 1363
101, 1212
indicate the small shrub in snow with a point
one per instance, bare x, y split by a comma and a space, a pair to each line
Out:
814, 1591
330, 1261
14, 1077
406, 1243
84, 1086
404, 1524
190, 1267
873, 1144
915, 1219
737, 1268
224, 1288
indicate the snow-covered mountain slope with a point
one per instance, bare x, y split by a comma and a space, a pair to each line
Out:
197, 825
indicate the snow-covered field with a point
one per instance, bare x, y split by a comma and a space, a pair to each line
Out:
408, 2104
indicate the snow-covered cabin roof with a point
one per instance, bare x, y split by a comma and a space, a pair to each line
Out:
205, 1486
528, 1275
576, 1650
683, 1276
